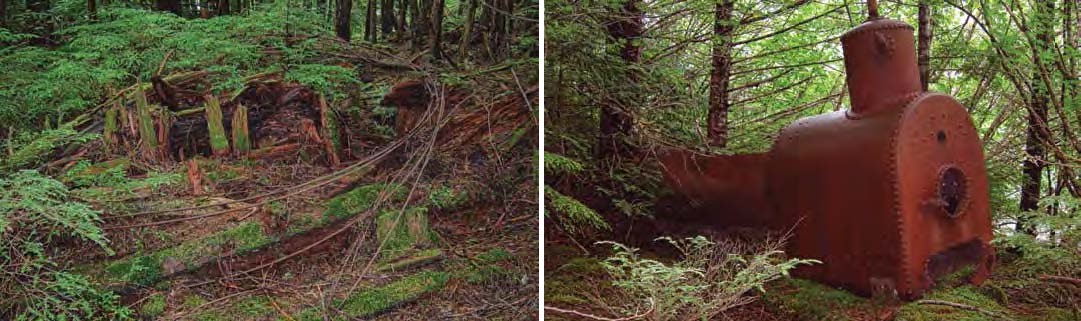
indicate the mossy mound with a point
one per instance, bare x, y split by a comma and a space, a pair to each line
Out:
965, 295
568, 284
377, 300
147, 268
401, 232
809, 300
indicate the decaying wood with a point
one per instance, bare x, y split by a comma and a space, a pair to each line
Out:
218, 141
241, 140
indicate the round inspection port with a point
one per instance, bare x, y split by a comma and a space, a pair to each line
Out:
951, 190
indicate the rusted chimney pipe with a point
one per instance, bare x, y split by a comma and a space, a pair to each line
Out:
880, 64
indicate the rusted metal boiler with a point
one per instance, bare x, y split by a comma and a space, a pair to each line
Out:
890, 195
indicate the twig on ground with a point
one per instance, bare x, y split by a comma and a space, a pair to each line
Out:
963, 307
596, 317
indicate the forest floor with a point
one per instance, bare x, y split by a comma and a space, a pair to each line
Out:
425, 211
574, 279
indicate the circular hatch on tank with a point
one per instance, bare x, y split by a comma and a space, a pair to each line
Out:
952, 190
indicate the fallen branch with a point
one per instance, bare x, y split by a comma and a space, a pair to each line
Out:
963, 307
1061, 279
595, 317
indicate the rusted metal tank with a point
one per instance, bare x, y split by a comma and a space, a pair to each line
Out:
890, 195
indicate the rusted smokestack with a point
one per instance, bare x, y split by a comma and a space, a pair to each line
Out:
880, 64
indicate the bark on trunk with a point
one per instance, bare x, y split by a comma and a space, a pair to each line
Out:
91, 9
1037, 133
616, 122
924, 44
369, 22
341, 19
223, 7
169, 5
717, 120
467, 31
436, 31
386, 16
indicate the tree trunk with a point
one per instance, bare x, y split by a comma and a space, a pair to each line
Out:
369, 21
341, 19
403, 11
615, 121
386, 16
421, 24
1037, 134
923, 50
169, 5
223, 7
91, 9
467, 31
436, 31
717, 120
3, 12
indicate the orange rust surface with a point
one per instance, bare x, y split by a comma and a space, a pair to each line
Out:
890, 194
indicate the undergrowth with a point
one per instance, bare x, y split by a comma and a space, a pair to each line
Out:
36, 211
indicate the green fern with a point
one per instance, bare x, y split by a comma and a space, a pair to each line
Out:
570, 213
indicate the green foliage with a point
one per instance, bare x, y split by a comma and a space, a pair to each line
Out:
555, 164
127, 46
710, 279
331, 81
570, 213
1054, 249
65, 296
35, 210
33, 148
445, 197
153, 306
29, 200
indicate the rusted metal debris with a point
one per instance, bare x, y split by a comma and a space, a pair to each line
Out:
890, 195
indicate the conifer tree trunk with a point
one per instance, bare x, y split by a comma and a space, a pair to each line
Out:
616, 122
1037, 134
923, 44
717, 120
169, 5
386, 16
92, 9
369, 21
436, 31
341, 20
403, 11
467, 31
223, 7
3, 12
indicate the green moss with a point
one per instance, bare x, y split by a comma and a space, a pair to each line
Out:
568, 283
493, 255
407, 289
813, 301
377, 300
192, 301
146, 269
153, 306
967, 295
1053, 314
399, 234
360, 199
